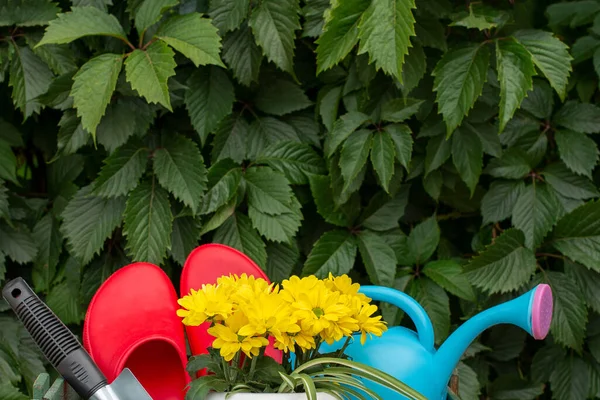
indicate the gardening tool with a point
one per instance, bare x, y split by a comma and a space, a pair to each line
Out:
63, 350
411, 356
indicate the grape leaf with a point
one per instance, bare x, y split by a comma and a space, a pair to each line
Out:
280, 97
238, 233
568, 184
281, 260
230, 139
122, 170
27, 12
150, 12
569, 378
579, 117
438, 151
402, 138
297, 161
184, 238
242, 55
449, 275
268, 191
223, 181
513, 164
378, 257
498, 202
382, 157
467, 156
278, 228
342, 128
436, 303
355, 153
18, 244
29, 78
228, 15
578, 152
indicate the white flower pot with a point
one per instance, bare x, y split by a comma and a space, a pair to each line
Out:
267, 396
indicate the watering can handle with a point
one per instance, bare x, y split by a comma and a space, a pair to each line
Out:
407, 304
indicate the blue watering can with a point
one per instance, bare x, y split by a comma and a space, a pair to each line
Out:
411, 356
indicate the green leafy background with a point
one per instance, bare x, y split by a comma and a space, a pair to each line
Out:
443, 148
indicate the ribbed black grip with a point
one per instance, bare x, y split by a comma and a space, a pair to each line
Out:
55, 340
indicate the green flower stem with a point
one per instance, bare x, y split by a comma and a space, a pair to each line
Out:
252, 368
344, 347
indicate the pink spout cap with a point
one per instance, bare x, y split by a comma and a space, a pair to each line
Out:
541, 312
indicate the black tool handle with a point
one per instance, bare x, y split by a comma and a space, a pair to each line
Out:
56, 341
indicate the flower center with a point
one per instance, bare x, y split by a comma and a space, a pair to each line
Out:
318, 312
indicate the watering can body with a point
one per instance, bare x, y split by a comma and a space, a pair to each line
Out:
412, 357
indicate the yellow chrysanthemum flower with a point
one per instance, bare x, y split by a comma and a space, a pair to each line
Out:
268, 313
210, 303
294, 287
243, 288
368, 324
345, 286
229, 341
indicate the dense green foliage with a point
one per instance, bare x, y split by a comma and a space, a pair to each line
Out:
445, 149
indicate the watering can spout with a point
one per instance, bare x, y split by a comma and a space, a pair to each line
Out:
531, 311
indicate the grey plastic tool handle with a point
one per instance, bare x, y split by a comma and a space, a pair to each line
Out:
55, 340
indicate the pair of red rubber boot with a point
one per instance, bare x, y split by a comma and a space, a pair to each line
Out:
132, 322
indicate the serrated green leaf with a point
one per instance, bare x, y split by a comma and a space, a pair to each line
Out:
431, 33
323, 197
544, 357
277, 228
59, 57
378, 257
333, 253
242, 55
200, 387
223, 181
280, 97
340, 33
180, 169
17, 243
480, 17
47, 235
384, 32
399, 110
122, 170
503, 266
588, 282
297, 161
423, 240
448, 274
268, 191
148, 223
274, 24
535, 212
539, 101
438, 151
402, 138
467, 156
230, 139
468, 386
124, 118
4, 213
195, 37
550, 55
515, 72
86, 239
579, 117
577, 235
219, 217
64, 301
81, 22
383, 212
238, 233
513, 164
148, 71
184, 238
208, 99
578, 152
509, 387
228, 15
281, 260
71, 135
29, 78
459, 78
150, 12
355, 153
382, 157
342, 128
10, 134
573, 13
435, 301
265, 132
584, 48
498, 202
328, 105
8, 162
568, 184
27, 12
569, 379
314, 17
432, 183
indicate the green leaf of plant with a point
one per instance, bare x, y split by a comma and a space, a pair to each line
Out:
180, 169
49, 239
268, 191
413, 70
438, 151
459, 78
9, 392
81, 22
423, 240
71, 135
184, 238
382, 157
124, 118
432, 183
399, 110
314, 18
29, 78
355, 153
200, 387
238, 233
402, 138
479, 17
64, 301
274, 24
576, 235
588, 282
512, 387
27, 13
280, 97
277, 228
148, 71
342, 128
383, 212
515, 72
281, 260
86, 239
323, 196
220, 216
572, 14
540, 101
8, 162
569, 379
150, 12
550, 55
333, 253
467, 155
328, 105
431, 32
378, 257
208, 99
265, 132
122, 170
513, 164
297, 161
579, 117
578, 152
148, 223
195, 37
449, 275
384, 32
17, 243
4, 213
568, 184
228, 15
436, 302
230, 139
535, 212
223, 181
498, 202
340, 33
242, 55
503, 266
